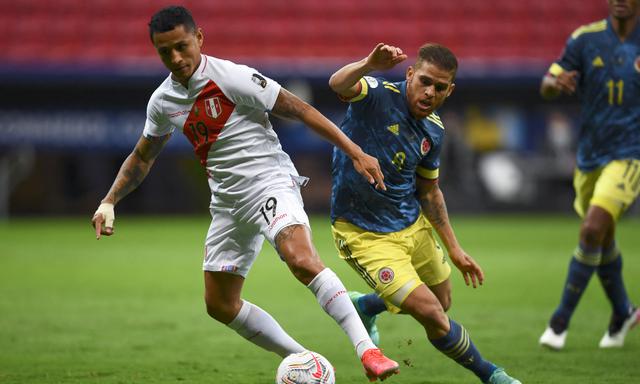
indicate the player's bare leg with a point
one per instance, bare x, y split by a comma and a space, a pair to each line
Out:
222, 298
449, 337
294, 245
443, 293
596, 226
425, 307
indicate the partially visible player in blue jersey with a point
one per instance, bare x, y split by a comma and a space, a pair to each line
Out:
387, 236
601, 63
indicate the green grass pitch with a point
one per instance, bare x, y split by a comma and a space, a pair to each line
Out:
129, 309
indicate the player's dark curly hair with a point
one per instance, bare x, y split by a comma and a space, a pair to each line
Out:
439, 55
170, 17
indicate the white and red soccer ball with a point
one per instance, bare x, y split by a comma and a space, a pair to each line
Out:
306, 367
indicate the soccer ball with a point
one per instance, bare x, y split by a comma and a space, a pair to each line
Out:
305, 368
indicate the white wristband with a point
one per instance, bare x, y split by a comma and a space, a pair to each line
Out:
106, 210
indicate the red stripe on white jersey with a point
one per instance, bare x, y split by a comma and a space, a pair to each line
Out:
206, 120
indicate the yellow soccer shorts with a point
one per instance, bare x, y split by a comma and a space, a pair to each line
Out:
612, 187
393, 264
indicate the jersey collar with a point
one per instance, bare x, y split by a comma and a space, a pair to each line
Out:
198, 74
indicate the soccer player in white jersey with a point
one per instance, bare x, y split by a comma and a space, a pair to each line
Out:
222, 109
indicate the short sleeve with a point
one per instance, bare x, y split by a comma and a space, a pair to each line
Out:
429, 166
246, 86
570, 59
156, 124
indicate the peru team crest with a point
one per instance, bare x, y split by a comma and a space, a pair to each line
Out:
386, 275
213, 107
425, 146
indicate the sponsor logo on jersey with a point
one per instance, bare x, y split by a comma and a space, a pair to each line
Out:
212, 106
597, 62
179, 113
386, 275
395, 129
261, 81
636, 64
425, 146
276, 220
373, 83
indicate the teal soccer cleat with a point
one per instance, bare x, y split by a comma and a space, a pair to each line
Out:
499, 376
368, 321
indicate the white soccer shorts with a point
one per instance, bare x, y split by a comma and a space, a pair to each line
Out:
236, 234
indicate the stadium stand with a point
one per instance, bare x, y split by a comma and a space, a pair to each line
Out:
76, 76
300, 33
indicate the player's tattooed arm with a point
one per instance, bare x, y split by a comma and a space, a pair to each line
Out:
135, 167
432, 203
289, 106
435, 209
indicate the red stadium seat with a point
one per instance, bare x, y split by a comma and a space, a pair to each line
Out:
301, 31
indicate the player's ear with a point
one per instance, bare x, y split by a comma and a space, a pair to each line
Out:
451, 88
199, 37
409, 72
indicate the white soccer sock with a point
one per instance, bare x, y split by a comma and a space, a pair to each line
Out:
257, 326
332, 296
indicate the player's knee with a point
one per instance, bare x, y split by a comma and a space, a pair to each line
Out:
445, 301
432, 316
305, 266
222, 312
592, 233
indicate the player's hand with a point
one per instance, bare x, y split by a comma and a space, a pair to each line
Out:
567, 81
471, 271
103, 220
385, 57
369, 168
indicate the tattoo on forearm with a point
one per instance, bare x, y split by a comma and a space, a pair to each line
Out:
289, 106
136, 167
129, 179
436, 210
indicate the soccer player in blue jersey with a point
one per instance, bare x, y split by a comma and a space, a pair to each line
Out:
387, 236
601, 63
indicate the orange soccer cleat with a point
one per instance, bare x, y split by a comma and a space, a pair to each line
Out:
377, 365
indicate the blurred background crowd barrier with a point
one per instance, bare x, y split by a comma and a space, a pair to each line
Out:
76, 76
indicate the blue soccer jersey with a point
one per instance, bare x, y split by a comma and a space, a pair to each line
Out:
379, 121
609, 91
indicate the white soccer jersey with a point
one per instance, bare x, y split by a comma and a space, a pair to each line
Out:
223, 113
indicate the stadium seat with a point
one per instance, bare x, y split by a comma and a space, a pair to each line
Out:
302, 31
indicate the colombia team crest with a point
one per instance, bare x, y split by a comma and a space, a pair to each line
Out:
386, 275
213, 107
425, 146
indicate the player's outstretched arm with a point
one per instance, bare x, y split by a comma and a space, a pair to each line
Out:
552, 86
435, 209
133, 170
289, 106
345, 80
